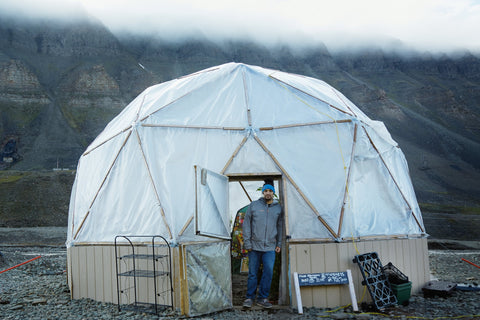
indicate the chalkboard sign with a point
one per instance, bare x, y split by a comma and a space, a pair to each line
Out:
321, 279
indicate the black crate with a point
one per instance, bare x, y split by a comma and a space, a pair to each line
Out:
394, 275
375, 280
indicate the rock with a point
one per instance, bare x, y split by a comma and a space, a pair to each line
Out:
39, 301
16, 307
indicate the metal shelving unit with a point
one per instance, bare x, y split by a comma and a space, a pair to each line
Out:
155, 264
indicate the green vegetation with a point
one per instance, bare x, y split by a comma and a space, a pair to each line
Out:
448, 208
35, 198
21, 115
88, 119
11, 176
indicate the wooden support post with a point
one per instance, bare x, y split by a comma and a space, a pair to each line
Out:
352, 290
297, 293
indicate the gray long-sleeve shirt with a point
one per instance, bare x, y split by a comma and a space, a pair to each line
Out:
262, 226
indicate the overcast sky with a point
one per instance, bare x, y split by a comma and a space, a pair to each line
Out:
438, 25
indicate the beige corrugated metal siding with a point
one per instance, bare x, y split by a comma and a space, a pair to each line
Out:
409, 255
92, 274
91, 269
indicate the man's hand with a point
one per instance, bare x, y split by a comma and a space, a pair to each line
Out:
277, 249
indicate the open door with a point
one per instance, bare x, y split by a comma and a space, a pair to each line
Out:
212, 217
206, 265
250, 185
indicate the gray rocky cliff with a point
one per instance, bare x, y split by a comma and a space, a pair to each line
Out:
61, 83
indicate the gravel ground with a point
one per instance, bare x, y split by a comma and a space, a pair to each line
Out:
38, 290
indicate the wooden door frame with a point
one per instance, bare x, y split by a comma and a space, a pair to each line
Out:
283, 290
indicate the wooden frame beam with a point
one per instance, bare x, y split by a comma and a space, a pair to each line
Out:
347, 182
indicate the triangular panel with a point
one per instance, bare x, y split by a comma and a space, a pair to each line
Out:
172, 154
274, 104
252, 159
225, 108
127, 201
375, 205
317, 159
93, 168
319, 89
303, 223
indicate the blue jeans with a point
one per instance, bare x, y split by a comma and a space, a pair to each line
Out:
254, 260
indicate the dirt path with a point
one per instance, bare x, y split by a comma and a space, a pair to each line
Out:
39, 236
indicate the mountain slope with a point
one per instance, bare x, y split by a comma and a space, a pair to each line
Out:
60, 84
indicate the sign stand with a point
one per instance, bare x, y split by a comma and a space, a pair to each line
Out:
322, 279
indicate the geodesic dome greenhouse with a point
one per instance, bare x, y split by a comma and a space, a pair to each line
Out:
343, 174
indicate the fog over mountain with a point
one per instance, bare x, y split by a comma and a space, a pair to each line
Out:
426, 25
62, 80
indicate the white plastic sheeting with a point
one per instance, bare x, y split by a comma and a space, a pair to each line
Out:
344, 174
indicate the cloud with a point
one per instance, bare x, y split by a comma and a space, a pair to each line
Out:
438, 25
44, 9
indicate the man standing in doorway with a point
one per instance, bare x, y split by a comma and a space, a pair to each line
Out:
262, 236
